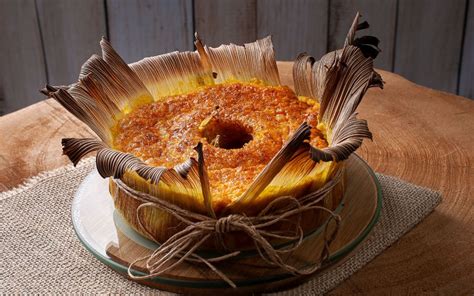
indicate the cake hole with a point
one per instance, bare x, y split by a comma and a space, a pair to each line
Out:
226, 134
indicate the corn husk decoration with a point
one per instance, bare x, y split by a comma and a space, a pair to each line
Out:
108, 89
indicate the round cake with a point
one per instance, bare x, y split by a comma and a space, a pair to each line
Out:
212, 136
242, 126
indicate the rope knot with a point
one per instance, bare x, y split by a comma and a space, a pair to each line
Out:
183, 245
227, 223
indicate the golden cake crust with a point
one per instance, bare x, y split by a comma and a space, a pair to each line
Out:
242, 126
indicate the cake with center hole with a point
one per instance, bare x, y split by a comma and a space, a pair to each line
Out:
213, 132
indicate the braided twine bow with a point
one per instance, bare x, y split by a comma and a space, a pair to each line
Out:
183, 245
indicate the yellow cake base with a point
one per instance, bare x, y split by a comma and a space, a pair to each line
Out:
160, 225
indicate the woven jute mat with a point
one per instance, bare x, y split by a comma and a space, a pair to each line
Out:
40, 253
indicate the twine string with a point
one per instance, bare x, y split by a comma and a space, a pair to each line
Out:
183, 245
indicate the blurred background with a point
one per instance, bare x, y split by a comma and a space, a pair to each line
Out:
430, 42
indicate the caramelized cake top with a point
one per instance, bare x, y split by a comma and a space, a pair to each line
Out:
242, 126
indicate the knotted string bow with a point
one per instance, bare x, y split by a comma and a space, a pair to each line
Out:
199, 228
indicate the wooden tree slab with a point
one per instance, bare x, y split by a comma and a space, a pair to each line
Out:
420, 135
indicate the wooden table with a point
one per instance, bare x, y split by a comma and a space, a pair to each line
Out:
420, 135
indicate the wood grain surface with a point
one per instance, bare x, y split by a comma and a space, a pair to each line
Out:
427, 34
290, 21
430, 42
421, 135
70, 32
223, 21
466, 79
21, 55
139, 29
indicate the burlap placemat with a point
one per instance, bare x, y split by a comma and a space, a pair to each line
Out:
40, 252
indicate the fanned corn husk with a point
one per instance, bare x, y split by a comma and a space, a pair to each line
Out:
108, 88
243, 63
173, 73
